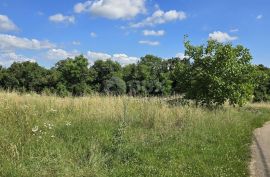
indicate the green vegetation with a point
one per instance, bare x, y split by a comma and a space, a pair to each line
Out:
122, 136
220, 73
137, 126
210, 75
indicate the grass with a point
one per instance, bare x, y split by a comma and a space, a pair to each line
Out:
123, 136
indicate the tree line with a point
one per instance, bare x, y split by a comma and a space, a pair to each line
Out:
210, 74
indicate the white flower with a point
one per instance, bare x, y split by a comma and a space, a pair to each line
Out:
52, 136
53, 110
35, 129
68, 123
49, 126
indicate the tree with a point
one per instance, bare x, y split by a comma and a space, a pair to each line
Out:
2, 71
115, 86
53, 77
104, 71
7, 81
133, 81
180, 71
262, 89
26, 76
148, 77
61, 90
75, 75
219, 73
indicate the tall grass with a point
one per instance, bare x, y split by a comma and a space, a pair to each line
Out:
122, 136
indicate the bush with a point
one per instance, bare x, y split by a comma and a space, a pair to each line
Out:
81, 89
115, 86
61, 90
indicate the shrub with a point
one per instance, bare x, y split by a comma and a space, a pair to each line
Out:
115, 86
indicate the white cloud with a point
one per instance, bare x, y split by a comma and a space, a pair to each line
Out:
93, 56
180, 55
9, 42
82, 7
221, 36
60, 54
7, 58
152, 43
124, 59
259, 17
234, 30
161, 17
153, 33
93, 35
6, 24
112, 9
60, 18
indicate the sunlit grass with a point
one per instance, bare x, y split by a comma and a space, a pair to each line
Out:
122, 136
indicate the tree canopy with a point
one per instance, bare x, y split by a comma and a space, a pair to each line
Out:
220, 73
209, 74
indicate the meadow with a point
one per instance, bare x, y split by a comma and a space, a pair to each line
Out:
123, 136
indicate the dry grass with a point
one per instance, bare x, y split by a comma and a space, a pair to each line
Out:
260, 105
122, 136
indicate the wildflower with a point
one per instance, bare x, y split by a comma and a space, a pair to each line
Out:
52, 136
50, 126
35, 129
53, 110
68, 123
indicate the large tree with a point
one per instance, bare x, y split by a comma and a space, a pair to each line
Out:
219, 73
75, 75
148, 77
26, 76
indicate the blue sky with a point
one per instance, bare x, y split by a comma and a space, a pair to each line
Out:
124, 30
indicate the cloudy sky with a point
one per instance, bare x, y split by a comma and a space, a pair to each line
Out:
124, 30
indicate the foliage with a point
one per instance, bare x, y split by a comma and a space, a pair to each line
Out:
115, 86
180, 75
75, 75
219, 73
27, 76
104, 71
148, 77
262, 89
209, 74
61, 90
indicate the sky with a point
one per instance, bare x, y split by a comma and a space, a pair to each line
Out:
125, 30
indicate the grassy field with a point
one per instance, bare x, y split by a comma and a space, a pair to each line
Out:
123, 136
